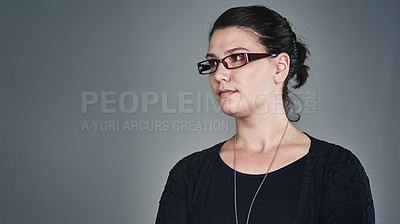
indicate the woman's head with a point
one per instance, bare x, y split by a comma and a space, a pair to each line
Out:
273, 34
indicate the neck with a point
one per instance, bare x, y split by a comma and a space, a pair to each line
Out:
261, 132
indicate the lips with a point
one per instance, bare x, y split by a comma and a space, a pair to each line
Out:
226, 92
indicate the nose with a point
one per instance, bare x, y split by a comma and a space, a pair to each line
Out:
222, 74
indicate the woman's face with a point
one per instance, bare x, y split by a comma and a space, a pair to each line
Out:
250, 89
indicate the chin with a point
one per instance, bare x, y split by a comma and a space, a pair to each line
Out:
231, 109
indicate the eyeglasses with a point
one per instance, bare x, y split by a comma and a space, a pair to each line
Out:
230, 62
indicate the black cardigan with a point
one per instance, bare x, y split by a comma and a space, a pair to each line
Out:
335, 188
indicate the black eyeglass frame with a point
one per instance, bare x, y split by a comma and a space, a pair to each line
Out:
247, 56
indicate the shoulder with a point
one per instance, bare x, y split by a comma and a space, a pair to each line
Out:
346, 193
197, 159
336, 165
332, 155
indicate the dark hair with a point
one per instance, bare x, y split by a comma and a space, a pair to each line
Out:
276, 35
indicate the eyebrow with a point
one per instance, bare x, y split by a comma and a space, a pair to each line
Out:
227, 52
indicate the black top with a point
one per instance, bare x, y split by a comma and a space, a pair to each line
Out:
276, 202
335, 188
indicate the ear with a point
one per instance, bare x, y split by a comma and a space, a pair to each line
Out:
281, 67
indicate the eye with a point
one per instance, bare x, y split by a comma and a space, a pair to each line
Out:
212, 62
236, 57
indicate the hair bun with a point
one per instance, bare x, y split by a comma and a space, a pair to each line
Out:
300, 70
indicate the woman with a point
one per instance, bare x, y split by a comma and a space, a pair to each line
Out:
269, 172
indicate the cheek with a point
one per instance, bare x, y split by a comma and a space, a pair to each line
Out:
213, 84
257, 83
211, 81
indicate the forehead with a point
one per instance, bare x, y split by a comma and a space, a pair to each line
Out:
228, 38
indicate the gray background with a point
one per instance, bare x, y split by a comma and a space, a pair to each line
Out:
52, 171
